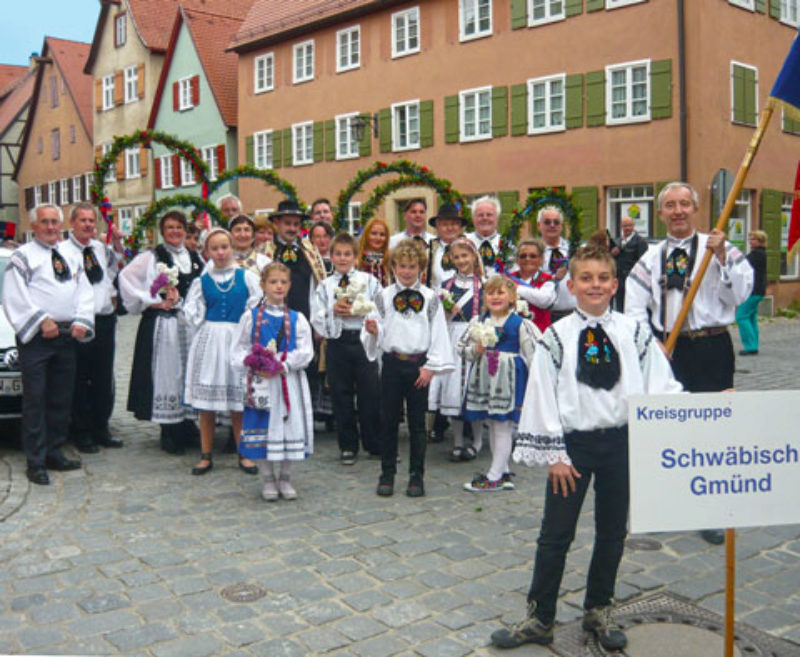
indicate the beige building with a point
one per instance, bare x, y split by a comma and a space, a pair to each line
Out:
56, 155
606, 98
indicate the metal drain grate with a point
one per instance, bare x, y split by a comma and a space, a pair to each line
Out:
666, 608
243, 593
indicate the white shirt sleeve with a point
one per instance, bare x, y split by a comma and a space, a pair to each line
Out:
134, 283
440, 352
193, 311
303, 352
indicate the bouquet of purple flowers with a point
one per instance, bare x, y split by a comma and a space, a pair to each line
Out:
167, 277
263, 361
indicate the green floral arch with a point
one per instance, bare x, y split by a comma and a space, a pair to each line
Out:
266, 175
411, 174
148, 221
536, 200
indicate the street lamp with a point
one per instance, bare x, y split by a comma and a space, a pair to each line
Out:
359, 124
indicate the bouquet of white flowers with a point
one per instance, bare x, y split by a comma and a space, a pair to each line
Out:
484, 333
167, 277
448, 302
354, 293
523, 309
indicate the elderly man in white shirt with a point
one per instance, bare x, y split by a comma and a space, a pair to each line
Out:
485, 237
550, 221
50, 304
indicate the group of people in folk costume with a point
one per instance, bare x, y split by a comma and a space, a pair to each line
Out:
416, 321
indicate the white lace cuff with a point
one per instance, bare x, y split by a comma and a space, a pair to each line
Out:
536, 449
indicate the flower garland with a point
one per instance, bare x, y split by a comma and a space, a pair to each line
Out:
148, 221
536, 200
266, 175
410, 174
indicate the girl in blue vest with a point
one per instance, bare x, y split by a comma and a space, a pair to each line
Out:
500, 346
214, 304
278, 422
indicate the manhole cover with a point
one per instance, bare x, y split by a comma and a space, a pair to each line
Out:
642, 543
243, 592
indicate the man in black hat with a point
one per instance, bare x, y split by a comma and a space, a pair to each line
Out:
449, 224
298, 254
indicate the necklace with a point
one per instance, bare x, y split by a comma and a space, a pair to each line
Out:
226, 286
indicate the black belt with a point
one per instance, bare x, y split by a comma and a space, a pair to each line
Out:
694, 334
413, 358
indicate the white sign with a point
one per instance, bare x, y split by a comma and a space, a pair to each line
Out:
711, 460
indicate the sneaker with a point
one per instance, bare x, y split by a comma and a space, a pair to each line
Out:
600, 622
507, 483
530, 630
269, 490
386, 486
347, 458
415, 487
482, 483
713, 536
286, 489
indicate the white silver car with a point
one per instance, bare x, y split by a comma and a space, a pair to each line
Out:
10, 375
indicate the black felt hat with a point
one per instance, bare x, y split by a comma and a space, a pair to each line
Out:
288, 208
448, 211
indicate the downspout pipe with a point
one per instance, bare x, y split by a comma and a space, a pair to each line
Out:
682, 90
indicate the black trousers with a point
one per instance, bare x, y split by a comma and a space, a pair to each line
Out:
48, 373
704, 364
602, 456
93, 399
397, 385
351, 374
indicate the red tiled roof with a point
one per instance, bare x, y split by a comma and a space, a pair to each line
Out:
15, 102
211, 33
9, 76
268, 18
70, 57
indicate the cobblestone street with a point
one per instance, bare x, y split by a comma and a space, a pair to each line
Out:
131, 554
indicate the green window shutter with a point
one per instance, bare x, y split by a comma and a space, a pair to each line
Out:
771, 201
790, 124
595, 5
574, 90
499, 111
659, 227
775, 9
319, 141
519, 14
585, 198
426, 123
744, 95
519, 109
574, 7
595, 98
288, 147
276, 149
761, 6
249, 150
365, 147
661, 89
330, 140
385, 129
451, 129
508, 202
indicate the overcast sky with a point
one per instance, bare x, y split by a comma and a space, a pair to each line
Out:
25, 23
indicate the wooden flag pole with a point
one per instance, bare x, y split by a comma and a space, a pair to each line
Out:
730, 588
722, 224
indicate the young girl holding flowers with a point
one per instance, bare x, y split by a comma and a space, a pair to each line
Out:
500, 347
461, 299
214, 304
273, 345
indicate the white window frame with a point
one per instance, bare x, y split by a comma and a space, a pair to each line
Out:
187, 173
407, 45
348, 47
63, 191
76, 189
474, 7
131, 77
744, 202
264, 73
347, 147
786, 7
108, 91
111, 174
37, 195
132, 169
305, 153
52, 190
303, 62
397, 108
89, 182
263, 152
185, 94
120, 29
209, 155
549, 126
792, 267
733, 93
644, 195
125, 218
744, 4
616, 4
629, 117
167, 174
353, 216
476, 94
549, 15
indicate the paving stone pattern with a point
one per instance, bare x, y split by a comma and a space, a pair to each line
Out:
130, 554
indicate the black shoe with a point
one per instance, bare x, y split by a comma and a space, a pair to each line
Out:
348, 457
86, 446
600, 622
415, 487
386, 486
713, 536
436, 436
204, 469
745, 352
248, 469
109, 441
57, 461
530, 630
37, 474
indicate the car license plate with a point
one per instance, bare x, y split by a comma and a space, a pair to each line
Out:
11, 387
